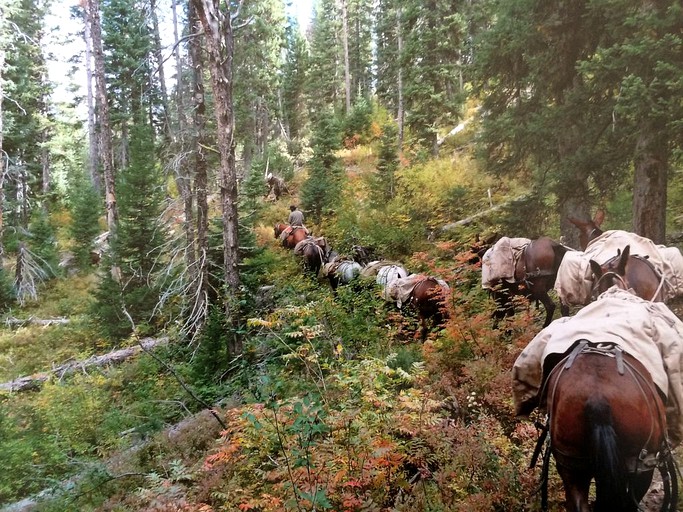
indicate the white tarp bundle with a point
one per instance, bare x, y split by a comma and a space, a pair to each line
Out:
400, 290
498, 263
649, 331
575, 278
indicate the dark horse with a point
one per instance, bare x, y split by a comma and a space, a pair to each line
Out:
626, 271
535, 274
428, 298
314, 252
290, 235
588, 230
607, 422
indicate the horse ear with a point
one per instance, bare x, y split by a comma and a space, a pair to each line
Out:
576, 222
599, 217
596, 268
621, 268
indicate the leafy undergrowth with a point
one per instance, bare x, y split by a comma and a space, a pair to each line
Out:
31, 348
368, 420
335, 404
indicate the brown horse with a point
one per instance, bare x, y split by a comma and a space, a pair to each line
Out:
589, 230
290, 235
535, 274
607, 422
626, 271
429, 299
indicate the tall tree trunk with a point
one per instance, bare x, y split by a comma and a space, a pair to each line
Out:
45, 163
3, 167
399, 40
218, 34
650, 186
345, 43
199, 273
156, 39
93, 144
104, 125
180, 95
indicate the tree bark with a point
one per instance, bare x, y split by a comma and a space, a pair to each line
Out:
156, 38
93, 145
218, 34
3, 167
345, 43
104, 124
400, 114
200, 291
650, 187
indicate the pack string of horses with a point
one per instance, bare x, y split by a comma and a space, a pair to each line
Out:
426, 294
607, 381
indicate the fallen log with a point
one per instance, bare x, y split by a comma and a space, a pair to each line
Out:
469, 220
45, 322
32, 382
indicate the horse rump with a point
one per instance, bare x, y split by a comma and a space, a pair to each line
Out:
611, 479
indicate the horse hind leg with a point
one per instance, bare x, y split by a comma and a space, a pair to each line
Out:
576, 487
549, 308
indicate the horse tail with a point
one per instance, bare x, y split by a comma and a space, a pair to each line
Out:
610, 473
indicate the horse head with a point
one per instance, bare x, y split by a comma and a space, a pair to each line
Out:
362, 254
279, 228
588, 230
627, 271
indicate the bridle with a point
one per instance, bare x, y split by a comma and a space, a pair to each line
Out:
615, 276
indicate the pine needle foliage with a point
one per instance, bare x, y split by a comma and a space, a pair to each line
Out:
320, 193
43, 243
86, 209
384, 179
137, 247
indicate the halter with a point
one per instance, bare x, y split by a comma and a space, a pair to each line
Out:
625, 286
614, 275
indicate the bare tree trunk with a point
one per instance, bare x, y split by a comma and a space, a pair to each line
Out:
156, 38
180, 96
347, 69
105, 134
3, 166
220, 48
399, 85
22, 196
650, 187
93, 147
200, 272
45, 163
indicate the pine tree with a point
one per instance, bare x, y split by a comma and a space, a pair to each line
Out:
572, 90
320, 193
128, 53
295, 72
257, 61
384, 179
326, 72
139, 244
24, 117
435, 33
86, 209
43, 243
